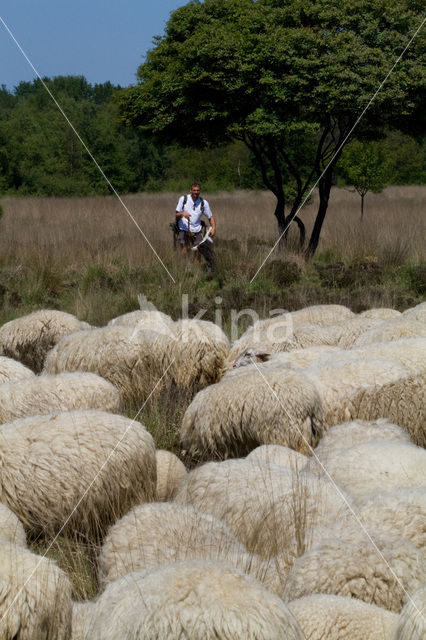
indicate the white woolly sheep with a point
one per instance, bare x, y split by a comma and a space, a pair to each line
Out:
380, 312
132, 359
11, 529
339, 382
403, 402
171, 474
35, 601
345, 333
288, 331
241, 412
11, 370
292, 330
298, 358
198, 353
277, 454
279, 334
270, 509
413, 311
160, 533
322, 314
411, 352
45, 394
156, 320
416, 314
303, 357
411, 624
393, 329
82, 468
400, 513
356, 569
82, 613
375, 466
352, 433
194, 599
30, 337
326, 617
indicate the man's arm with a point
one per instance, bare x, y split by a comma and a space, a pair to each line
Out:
180, 210
182, 214
208, 214
213, 225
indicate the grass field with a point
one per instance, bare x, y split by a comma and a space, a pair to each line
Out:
86, 256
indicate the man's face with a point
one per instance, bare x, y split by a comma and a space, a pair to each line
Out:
195, 192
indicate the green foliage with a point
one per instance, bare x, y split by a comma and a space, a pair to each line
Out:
41, 155
229, 166
289, 79
372, 165
400, 159
416, 277
282, 272
365, 166
406, 157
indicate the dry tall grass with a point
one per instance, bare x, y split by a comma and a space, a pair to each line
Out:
76, 230
86, 256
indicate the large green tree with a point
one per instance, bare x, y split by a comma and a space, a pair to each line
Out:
289, 78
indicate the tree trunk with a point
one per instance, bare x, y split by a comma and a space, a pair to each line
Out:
324, 187
280, 215
362, 206
292, 216
302, 230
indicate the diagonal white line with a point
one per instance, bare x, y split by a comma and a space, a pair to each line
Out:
107, 180
337, 488
84, 494
340, 147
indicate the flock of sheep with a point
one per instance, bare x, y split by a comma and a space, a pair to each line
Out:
304, 514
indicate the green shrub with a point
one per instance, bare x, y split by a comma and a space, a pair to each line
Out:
416, 277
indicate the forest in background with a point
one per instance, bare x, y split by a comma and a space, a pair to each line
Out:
40, 155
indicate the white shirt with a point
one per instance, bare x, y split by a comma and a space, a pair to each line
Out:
194, 210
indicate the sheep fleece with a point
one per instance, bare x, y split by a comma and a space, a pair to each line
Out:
244, 411
30, 337
264, 505
35, 596
98, 463
132, 359
161, 533
12, 370
11, 529
41, 395
171, 474
354, 568
325, 617
411, 623
375, 466
195, 599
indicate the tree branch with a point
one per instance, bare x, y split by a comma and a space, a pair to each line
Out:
251, 144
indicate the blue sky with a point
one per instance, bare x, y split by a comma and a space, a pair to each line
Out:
98, 39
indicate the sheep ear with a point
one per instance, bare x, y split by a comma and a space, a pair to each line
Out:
261, 354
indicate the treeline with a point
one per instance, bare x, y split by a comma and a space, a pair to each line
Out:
40, 154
